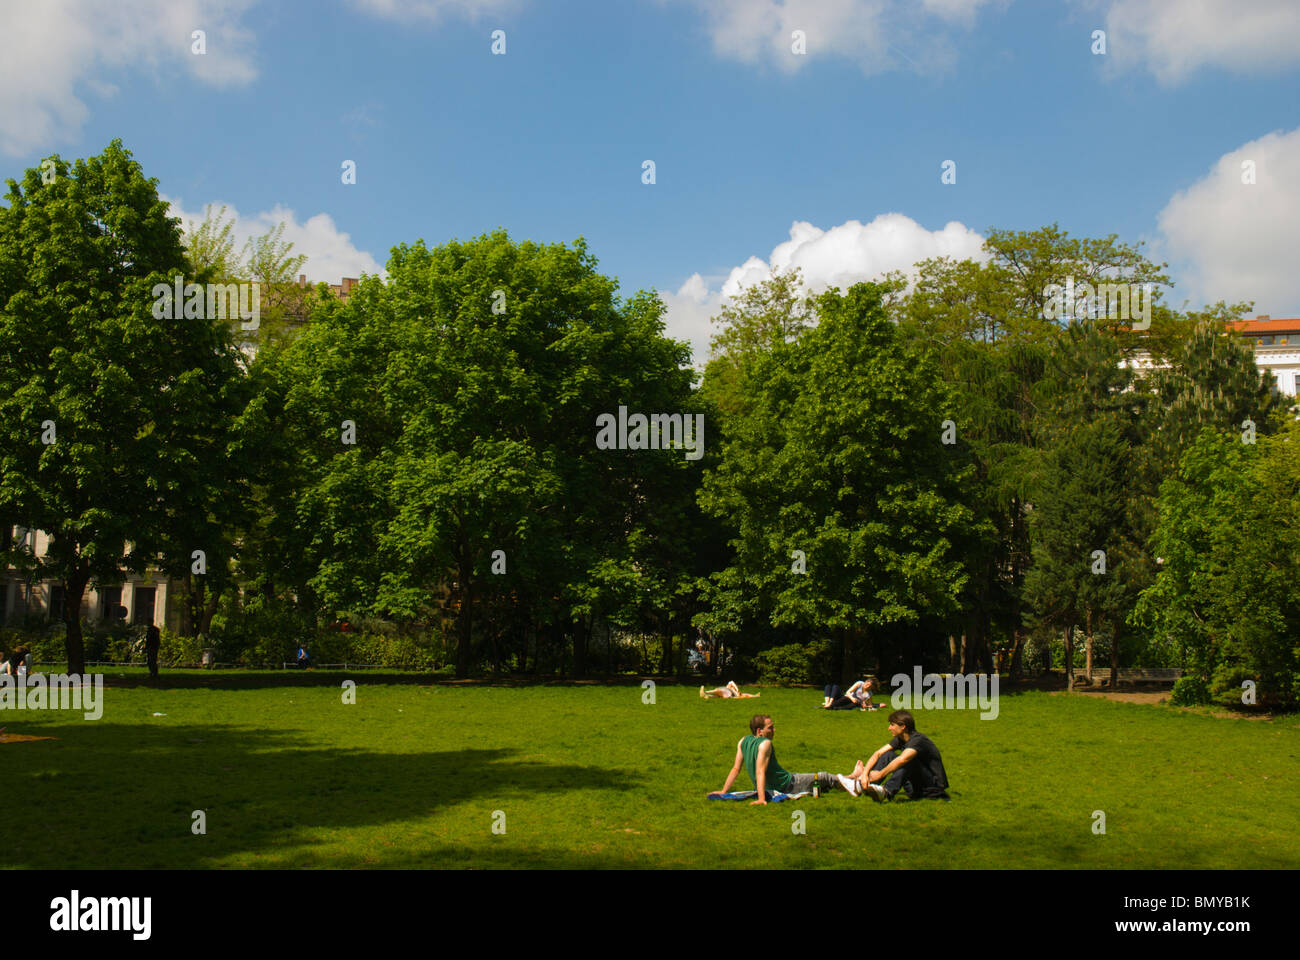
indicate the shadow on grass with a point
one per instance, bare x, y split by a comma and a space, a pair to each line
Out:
112, 795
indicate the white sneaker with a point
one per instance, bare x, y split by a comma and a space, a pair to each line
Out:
877, 792
851, 786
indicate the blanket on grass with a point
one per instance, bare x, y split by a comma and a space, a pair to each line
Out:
773, 796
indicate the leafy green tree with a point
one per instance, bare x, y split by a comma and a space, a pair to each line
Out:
1208, 379
764, 316
1226, 596
986, 321
109, 414
839, 455
1087, 508
473, 378
267, 260
210, 247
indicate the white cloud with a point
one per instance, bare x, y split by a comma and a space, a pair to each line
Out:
878, 35
1227, 240
1173, 38
55, 50
433, 10
839, 257
688, 314
331, 254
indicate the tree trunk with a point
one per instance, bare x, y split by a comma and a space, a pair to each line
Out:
1017, 654
579, 649
464, 625
1114, 658
954, 665
962, 661
556, 633
73, 589
205, 625
187, 618
986, 643
1069, 657
193, 607
846, 665
1087, 651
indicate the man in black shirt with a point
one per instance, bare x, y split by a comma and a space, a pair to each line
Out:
152, 643
918, 769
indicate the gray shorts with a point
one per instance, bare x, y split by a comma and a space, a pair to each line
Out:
803, 782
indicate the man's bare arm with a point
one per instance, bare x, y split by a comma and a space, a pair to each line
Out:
874, 757
735, 769
760, 772
898, 761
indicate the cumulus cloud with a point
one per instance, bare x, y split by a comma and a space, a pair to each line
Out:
56, 51
409, 11
839, 257
330, 252
689, 311
1173, 38
878, 35
1229, 240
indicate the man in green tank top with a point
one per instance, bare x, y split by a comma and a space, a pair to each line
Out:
758, 756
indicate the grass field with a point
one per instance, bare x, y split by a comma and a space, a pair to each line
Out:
590, 777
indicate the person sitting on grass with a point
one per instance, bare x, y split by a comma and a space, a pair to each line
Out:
729, 692
16, 664
918, 769
757, 755
857, 697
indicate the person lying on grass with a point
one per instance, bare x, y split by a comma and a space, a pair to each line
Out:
757, 755
918, 769
728, 692
857, 697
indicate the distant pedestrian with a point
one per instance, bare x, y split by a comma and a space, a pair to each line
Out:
304, 657
152, 643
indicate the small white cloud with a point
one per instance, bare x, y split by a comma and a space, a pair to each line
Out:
1174, 38
53, 52
878, 35
839, 257
1228, 240
330, 252
408, 11
688, 314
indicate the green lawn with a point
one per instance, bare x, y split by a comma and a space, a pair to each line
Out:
589, 776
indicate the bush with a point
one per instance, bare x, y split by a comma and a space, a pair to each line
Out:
1226, 686
407, 653
44, 647
1190, 691
265, 651
174, 649
793, 663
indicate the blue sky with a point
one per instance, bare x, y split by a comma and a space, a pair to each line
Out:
763, 157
